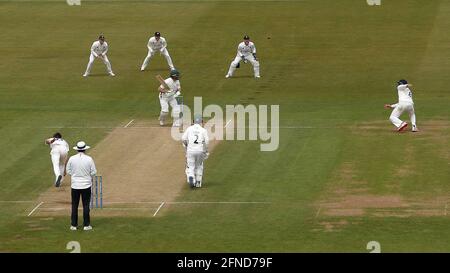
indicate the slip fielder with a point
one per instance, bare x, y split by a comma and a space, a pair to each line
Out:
195, 140
169, 90
405, 103
59, 151
157, 44
98, 51
246, 52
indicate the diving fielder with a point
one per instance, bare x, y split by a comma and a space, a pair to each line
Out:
169, 97
98, 51
59, 151
246, 52
157, 44
405, 103
195, 140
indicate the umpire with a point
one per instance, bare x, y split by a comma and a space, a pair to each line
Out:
81, 168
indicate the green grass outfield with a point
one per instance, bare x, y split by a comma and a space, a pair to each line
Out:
330, 65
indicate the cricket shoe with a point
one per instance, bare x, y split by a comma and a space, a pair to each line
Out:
85, 75
414, 129
161, 123
198, 184
58, 181
73, 228
227, 76
257, 77
402, 126
87, 228
112, 74
191, 182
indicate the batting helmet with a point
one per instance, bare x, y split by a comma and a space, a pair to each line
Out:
174, 73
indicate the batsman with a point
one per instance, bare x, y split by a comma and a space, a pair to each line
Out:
195, 141
169, 90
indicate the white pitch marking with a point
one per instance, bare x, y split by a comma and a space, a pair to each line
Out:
160, 206
35, 208
228, 122
318, 212
128, 124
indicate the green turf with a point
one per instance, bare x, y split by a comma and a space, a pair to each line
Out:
329, 64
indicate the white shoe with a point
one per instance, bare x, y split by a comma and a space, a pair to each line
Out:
142, 69
227, 76
161, 123
112, 74
414, 129
257, 77
73, 228
87, 228
85, 75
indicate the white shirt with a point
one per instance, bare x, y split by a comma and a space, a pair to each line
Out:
59, 145
197, 138
157, 45
173, 85
404, 94
81, 167
245, 50
99, 49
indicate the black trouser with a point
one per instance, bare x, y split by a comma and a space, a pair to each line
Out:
85, 199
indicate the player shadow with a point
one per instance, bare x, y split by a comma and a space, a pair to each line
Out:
156, 70
242, 77
99, 75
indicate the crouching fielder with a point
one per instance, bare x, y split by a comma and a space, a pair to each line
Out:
405, 103
246, 52
157, 44
168, 93
98, 51
59, 151
195, 140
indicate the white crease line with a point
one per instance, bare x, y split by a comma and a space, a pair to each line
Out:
35, 208
191, 202
318, 212
162, 204
227, 123
128, 124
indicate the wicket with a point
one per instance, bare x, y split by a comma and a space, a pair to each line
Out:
97, 191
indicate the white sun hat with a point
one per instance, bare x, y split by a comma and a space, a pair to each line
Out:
81, 146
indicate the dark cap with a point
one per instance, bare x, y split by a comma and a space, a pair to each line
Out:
157, 34
400, 82
101, 37
246, 37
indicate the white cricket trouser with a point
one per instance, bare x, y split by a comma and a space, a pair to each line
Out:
194, 166
165, 101
151, 53
59, 158
91, 62
250, 58
398, 111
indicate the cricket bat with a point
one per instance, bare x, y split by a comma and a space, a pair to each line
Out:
162, 82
